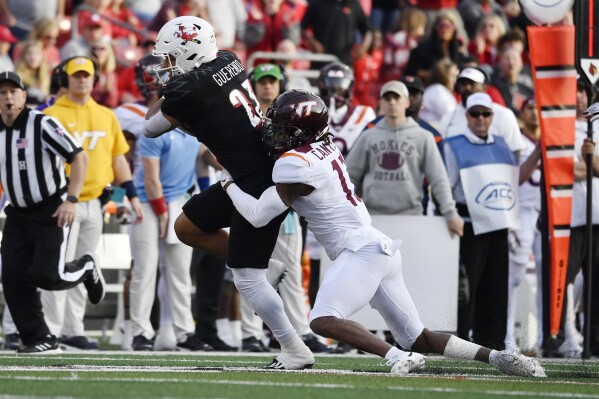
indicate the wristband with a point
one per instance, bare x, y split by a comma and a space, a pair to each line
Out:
203, 182
129, 187
159, 206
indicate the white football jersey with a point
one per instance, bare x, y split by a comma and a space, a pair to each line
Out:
335, 214
350, 126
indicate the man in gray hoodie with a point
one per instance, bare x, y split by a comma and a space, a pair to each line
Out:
389, 162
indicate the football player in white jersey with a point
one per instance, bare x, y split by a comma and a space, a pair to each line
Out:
311, 177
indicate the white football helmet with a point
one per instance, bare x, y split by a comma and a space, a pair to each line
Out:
189, 41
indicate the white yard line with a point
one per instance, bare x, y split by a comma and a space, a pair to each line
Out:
74, 377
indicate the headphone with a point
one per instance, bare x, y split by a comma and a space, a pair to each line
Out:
282, 81
61, 73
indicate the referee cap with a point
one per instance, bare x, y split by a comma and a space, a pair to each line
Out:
80, 64
12, 77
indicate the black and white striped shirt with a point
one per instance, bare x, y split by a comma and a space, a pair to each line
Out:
32, 155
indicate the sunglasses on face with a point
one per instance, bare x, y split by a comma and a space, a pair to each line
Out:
476, 114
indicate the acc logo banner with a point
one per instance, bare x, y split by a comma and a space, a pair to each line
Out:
497, 196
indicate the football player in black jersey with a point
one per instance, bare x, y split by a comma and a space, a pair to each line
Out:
209, 96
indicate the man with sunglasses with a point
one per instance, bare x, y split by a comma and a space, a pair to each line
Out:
504, 123
483, 174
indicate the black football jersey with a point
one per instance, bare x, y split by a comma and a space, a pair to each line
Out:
216, 104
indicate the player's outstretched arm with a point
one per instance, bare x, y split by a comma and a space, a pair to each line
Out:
274, 201
157, 123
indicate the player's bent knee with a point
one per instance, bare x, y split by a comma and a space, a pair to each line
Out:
322, 325
186, 230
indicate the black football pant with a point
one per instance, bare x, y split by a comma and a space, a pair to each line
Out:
486, 259
210, 271
33, 250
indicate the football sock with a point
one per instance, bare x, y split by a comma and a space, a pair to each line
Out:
265, 301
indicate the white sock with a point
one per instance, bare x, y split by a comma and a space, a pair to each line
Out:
294, 342
235, 326
393, 352
458, 348
253, 286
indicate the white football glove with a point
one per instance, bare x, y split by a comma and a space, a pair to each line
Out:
225, 177
592, 113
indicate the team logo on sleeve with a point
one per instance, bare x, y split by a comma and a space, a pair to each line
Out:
188, 34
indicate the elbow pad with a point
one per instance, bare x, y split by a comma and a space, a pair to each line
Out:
257, 211
156, 125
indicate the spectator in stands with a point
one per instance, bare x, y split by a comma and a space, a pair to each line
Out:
367, 73
504, 123
484, 245
473, 11
145, 10
119, 11
439, 98
442, 43
384, 14
98, 130
32, 67
390, 161
44, 31
228, 19
271, 21
398, 44
104, 91
6, 40
484, 44
514, 85
21, 15
171, 9
92, 30
287, 47
330, 27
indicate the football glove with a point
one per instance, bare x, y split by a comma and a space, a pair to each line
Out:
225, 177
592, 113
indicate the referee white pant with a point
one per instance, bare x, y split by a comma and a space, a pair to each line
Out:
64, 310
177, 261
289, 251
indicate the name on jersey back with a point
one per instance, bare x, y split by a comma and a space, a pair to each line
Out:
228, 72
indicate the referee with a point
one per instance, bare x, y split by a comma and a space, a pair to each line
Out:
33, 149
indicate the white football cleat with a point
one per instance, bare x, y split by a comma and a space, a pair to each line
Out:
515, 363
299, 358
405, 362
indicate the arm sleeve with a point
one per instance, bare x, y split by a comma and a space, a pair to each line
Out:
257, 211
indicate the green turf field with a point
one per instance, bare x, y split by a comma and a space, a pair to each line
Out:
176, 375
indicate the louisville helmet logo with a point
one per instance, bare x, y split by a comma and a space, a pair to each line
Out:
188, 34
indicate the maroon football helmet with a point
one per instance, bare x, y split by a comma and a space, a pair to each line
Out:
335, 82
294, 118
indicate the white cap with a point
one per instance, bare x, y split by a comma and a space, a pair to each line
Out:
395, 86
480, 99
472, 74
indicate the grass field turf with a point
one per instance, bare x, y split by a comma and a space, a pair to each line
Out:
176, 375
